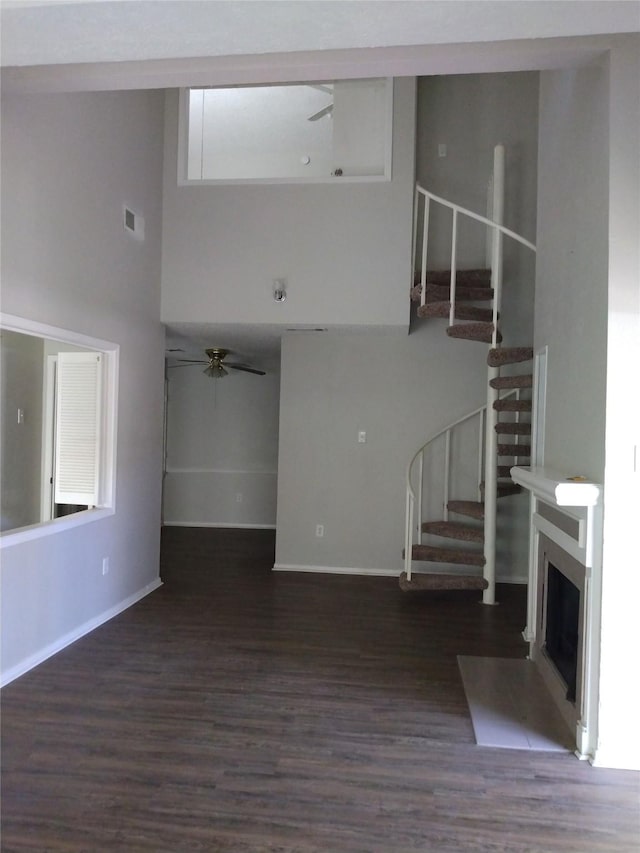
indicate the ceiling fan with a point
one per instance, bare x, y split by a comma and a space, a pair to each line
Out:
215, 368
326, 111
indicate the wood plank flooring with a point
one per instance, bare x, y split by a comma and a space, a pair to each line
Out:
241, 710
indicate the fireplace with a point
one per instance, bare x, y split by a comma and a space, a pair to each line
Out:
563, 615
558, 645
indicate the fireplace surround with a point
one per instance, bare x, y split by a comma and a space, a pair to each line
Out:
565, 572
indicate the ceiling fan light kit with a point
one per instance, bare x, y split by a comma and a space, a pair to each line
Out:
214, 368
216, 371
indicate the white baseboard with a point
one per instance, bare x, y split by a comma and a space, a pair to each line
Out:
624, 757
349, 570
518, 580
229, 524
337, 570
67, 639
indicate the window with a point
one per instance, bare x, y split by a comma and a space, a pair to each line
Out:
58, 441
314, 132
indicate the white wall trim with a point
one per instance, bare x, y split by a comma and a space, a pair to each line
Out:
67, 639
218, 524
351, 570
197, 470
337, 570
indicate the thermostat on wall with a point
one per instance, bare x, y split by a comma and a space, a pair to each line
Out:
133, 223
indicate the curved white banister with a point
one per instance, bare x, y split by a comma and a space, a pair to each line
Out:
470, 213
437, 435
419, 455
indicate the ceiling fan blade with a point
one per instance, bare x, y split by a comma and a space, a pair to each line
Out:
321, 113
245, 368
192, 361
185, 364
321, 88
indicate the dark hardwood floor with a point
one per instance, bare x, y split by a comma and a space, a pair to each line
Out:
240, 710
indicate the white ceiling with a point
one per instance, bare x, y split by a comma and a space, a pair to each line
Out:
88, 31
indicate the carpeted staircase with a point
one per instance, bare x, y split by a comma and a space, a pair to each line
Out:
514, 433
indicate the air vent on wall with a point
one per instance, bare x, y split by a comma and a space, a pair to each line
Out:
133, 223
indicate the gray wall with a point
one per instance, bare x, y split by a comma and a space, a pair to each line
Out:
345, 249
222, 448
471, 114
21, 362
571, 275
400, 390
69, 163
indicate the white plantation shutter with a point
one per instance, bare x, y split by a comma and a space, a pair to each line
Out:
78, 422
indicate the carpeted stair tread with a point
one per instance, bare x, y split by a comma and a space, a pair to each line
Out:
512, 405
463, 311
482, 332
506, 428
504, 471
470, 278
509, 355
447, 555
505, 489
522, 381
441, 293
519, 450
474, 509
454, 530
435, 581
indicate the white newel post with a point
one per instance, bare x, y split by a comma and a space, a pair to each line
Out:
491, 440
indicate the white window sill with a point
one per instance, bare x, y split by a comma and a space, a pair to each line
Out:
48, 528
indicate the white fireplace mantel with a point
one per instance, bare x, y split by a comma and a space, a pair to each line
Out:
567, 510
578, 499
557, 489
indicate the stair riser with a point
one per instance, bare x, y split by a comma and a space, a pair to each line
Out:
463, 294
513, 429
482, 332
475, 278
471, 509
454, 530
428, 554
504, 491
519, 450
503, 382
512, 405
463, 312
423, 581
513, 355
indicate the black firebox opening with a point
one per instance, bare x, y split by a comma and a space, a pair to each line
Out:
561, 639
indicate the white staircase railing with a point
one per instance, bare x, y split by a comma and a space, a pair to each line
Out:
423, 201
413, 529
495, 234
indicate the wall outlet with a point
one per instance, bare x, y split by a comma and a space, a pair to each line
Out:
319, 530
362, 437
105, 565
239, 498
